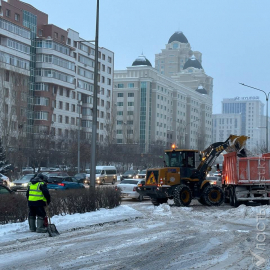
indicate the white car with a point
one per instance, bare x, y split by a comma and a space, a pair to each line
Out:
128, 188
5, 180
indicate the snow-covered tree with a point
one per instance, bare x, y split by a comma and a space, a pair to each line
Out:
3, 161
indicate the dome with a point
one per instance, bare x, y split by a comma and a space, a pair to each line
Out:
141, 61
201, 90
192, 62
178, 36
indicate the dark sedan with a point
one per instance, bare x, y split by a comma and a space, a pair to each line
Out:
83, 178
63, 183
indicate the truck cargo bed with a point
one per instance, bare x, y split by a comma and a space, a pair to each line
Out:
246, 170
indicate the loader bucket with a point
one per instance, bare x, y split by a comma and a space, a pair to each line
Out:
237, 143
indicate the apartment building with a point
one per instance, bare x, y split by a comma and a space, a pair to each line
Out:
58, 70
241, 116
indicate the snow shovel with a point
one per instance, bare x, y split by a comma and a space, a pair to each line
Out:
51, 227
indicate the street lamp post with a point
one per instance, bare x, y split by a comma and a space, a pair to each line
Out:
266, 97
79, 133
94, 119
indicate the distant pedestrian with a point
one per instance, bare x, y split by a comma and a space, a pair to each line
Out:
38, 197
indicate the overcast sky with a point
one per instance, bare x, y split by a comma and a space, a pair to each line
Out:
233, 36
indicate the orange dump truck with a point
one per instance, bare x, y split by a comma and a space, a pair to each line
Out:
246, 179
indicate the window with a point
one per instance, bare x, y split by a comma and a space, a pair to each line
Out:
73, 108
130, 85
103, 56
130, 103
130, 94
67, 106
120, 95
67, 93
40, 32
60, 118
61, 91
73, 95
72, 121
130, 113
109, 70
17, 17
66, 119
8, 13
55, 35
69, 41
60, 105
6, 92
109, 59
120, 85
62, 38
103, 67
119, 112
7, 76
120, 103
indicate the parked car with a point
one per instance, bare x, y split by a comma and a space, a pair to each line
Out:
128, 188
83, 178
141, 174
214, 180
63, 183
26, 170
218, 173
50, 174
21, 184
128, 174
4, 180
5, 190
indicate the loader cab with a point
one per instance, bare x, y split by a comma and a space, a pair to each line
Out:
187, 160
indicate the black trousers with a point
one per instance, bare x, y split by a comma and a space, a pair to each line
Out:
37, 211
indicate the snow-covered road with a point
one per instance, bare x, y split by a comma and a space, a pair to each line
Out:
140, 236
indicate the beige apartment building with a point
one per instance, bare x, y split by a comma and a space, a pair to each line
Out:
171, 103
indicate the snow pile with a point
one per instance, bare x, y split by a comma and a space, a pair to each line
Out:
163, 210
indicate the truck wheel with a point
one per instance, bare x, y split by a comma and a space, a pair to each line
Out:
213, 195
140, 198
158, 201
227, 196
182, 195
231, 197
236, 203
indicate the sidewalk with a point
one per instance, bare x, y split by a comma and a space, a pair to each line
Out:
18, 231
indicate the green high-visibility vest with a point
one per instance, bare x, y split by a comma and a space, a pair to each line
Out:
35, 194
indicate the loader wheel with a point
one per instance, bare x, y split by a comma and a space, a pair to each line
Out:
158, 201
213, 195
182, 195
202, 201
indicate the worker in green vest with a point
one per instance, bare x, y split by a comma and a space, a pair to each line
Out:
38, 197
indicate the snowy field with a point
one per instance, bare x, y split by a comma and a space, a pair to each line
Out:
140, 236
